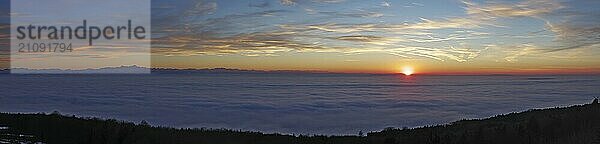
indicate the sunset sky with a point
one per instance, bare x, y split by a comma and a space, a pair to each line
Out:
379, 36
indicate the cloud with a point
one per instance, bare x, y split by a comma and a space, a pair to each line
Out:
244, 44
262, 4
305, 38
484, 15
578, 31
573, 28
252, 34
360, 38
287, 2
477, 16
295, 40
441, 54
512, 55
294, 2
386, 4
329, 1
233, 23
202, 7
358, 14
369, 39
414, 4
527, 8
228, 35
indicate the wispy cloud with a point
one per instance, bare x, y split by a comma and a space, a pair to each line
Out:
261, 4
360, 38
386, 38
259, 34
202, 7
573, 28
386, 4
294, 2
413, 4
527, 8
513, 54
580, 31
356, 14
287, 2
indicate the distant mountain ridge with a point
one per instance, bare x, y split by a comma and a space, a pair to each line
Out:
138, 69
117, 70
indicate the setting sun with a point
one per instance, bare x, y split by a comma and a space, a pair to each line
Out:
407, 70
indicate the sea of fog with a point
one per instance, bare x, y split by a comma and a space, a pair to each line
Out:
291, 103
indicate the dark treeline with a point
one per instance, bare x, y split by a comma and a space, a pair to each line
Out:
571, 125
59, 129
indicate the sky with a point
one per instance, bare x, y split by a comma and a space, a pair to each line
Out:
375, 36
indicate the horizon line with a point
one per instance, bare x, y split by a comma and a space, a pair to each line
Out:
225, 69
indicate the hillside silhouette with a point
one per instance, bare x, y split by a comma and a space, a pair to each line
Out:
578, 124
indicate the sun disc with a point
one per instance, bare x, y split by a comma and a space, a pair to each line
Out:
407, 70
